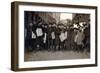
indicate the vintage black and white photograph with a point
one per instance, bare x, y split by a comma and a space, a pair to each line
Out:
53, 36
56, 36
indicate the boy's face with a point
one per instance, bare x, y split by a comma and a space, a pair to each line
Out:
45, 26
49, 25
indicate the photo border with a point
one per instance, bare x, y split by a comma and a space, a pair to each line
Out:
15, 34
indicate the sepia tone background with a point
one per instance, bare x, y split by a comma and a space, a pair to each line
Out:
69, 22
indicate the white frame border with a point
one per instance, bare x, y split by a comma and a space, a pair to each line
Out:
33, 64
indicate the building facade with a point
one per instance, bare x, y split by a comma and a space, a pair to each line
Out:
45, 17
78, 18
